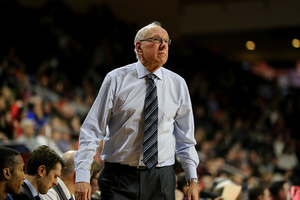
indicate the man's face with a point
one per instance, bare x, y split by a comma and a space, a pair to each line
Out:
29, 130
286, 191
155, 53
267, 195
48, 181
17, 177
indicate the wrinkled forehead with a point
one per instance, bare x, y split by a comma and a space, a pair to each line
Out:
155, 30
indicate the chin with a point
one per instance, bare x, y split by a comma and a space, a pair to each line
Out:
18, 192
163, 60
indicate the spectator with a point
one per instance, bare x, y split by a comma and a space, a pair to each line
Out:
28, 135
259, 193
280, 190
44, 138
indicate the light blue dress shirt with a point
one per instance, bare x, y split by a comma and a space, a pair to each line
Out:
117, 117
32, 189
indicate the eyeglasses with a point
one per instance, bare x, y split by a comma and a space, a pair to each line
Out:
158, 40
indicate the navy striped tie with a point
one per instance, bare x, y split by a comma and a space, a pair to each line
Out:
151, 123
37, 197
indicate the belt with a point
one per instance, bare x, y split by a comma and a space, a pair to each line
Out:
141, 167
121, 166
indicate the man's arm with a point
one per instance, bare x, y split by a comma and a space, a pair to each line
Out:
91, 133
184, 134
185, 143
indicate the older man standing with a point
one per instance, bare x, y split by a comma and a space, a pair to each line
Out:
144, 114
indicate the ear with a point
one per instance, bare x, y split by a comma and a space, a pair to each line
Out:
6, 173
260, 197
74, 175
138, 47
41, 170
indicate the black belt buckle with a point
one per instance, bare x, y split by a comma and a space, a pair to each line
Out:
141, 167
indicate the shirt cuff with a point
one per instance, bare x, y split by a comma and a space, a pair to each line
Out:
190, 172
83, 176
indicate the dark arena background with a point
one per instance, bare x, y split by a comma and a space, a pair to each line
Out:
240, 59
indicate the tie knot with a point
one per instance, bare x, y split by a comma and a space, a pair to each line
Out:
151, 76
37, 197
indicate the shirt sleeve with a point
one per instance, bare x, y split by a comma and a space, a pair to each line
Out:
184, 133
93, 130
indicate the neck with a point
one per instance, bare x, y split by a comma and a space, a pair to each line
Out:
150, 66
2, 191
3, 196
27, 136
70, 183
33, 181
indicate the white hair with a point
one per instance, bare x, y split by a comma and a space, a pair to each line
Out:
140, 35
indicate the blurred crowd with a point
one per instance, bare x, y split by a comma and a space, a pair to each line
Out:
52, 62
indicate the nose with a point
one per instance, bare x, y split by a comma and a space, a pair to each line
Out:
24, 177
163, 44
55, 182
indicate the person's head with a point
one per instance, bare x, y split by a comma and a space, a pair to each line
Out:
152, 46
45, 165
12, 170
27, 126
259, 193
279, 190
68, 172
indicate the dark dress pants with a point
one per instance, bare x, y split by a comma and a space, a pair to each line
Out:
123, 182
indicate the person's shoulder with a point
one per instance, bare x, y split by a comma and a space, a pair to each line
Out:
25, 193
22, 196
51, 194
21, 138
123, 70
170, 74
8, 197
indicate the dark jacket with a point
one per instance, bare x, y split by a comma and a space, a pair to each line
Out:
25, 194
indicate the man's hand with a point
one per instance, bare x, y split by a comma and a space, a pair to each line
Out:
192, 191
82, 191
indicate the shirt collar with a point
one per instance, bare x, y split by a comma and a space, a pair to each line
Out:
64, 187
32, 189
8, 197
143, 71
